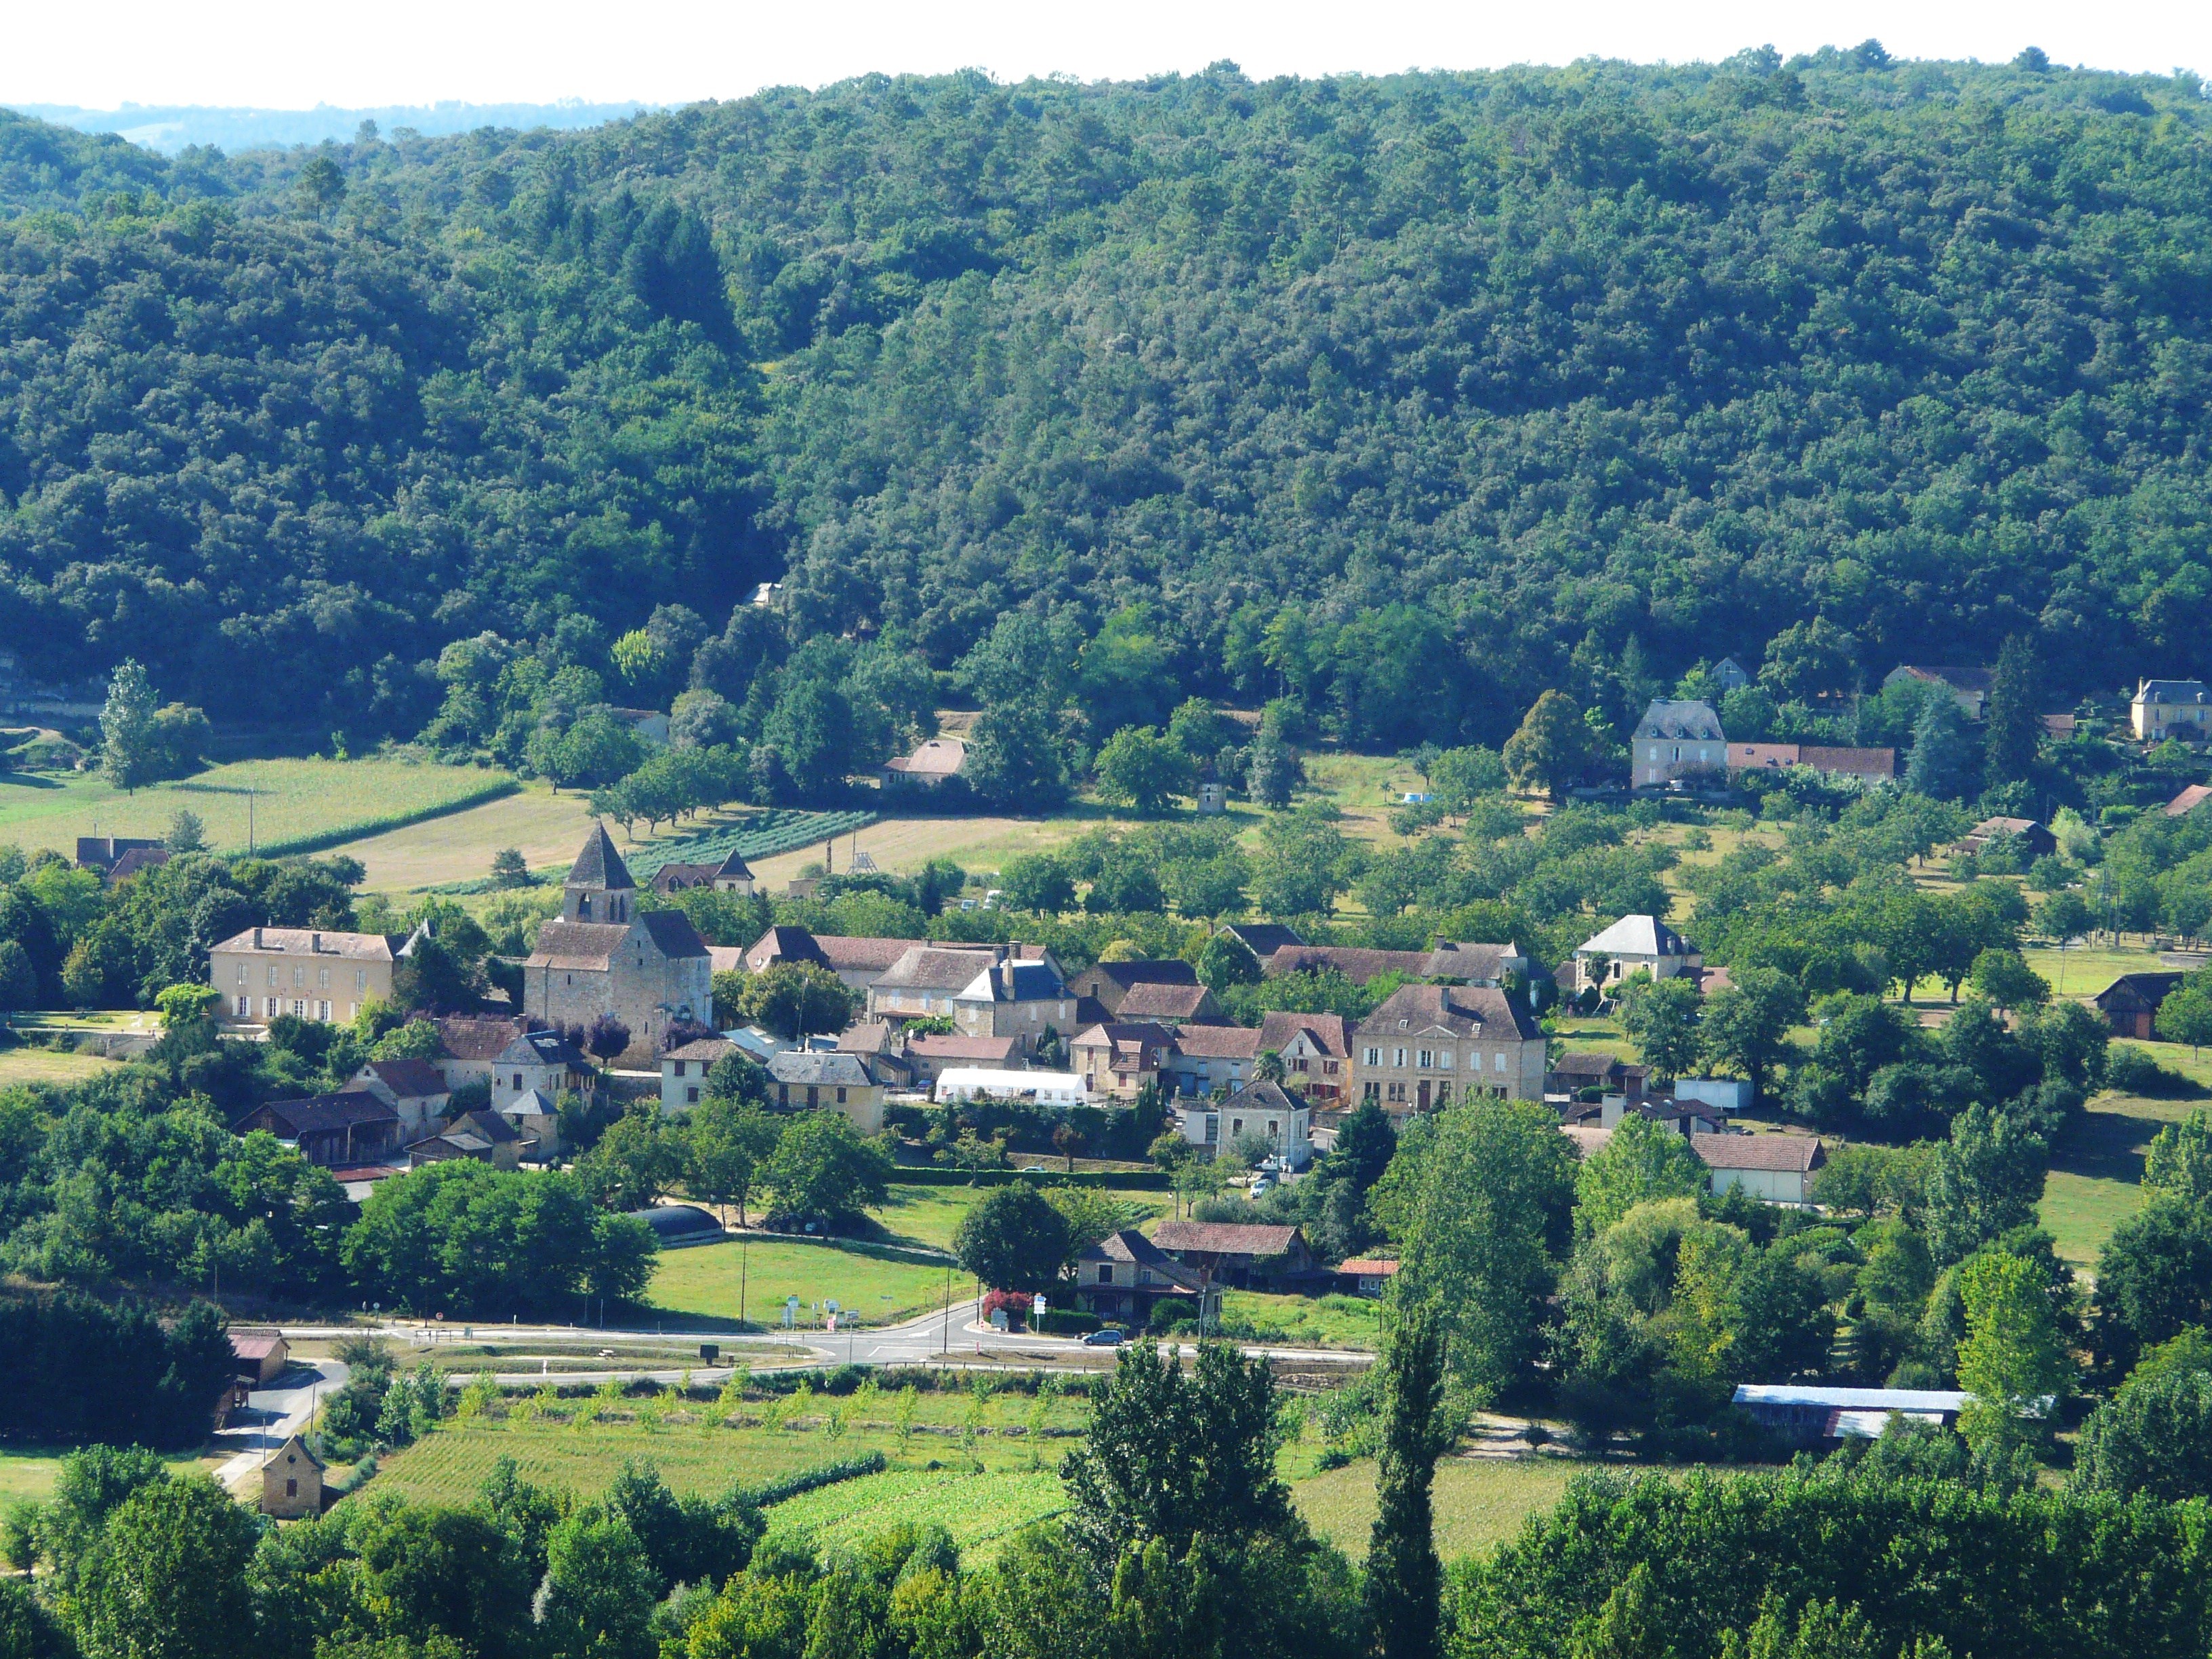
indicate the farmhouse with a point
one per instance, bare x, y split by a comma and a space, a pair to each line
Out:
931, 1054
730, 875
415, 1089
1869, 765
934, 760
1206, 1057
1316, 1050
1122, 1275
511, 1059
2035, 840
1235, 1254
1115, 1060
683, 1071
602, 958
487, 1137
1107, 983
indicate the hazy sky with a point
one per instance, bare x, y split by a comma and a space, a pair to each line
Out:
395, 52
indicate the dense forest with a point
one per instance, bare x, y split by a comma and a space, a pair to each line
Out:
1302, 387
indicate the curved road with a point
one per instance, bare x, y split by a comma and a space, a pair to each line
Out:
272, 1416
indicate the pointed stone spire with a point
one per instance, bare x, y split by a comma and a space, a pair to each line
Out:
599, 885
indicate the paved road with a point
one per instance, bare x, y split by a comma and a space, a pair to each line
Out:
272, 1416
953, 1336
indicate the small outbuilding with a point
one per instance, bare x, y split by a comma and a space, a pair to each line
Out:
1802, 1412
292, 1481
261, 1355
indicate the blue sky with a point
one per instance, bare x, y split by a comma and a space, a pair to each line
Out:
292, 55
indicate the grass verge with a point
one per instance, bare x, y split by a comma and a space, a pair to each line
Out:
703, 1284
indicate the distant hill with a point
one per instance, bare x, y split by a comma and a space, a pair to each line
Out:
169, 128
1402, 398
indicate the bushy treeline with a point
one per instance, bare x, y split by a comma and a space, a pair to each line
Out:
73, 1370
1430, 391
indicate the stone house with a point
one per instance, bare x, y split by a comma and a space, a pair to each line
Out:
932, 1053
1116, 1058
1471, 964
1266, 1111
1181, 1005
301, 971
730, 875
1869, 765
857, 959
935, 760
683, 1071
602, 957
1261, 939
1107, 983
1429, 1045
512, 1059
535, 1117
486, 1136
292, 1482
1633, 942
1316, 1051
1125, 1274
2170, 709
807, 1079
415, 1089
1677, 743
1017, 999
1206, 1057
1234, 1254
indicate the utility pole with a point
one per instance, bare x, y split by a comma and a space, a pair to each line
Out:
744, 1259
946, 1347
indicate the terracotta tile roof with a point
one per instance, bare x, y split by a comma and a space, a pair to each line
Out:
1369, 1266
1156, 1001
1332, 1033
1224, 1238
937, 1045
934, 968
851, 953
1216, 1042
1355, 964
311, 942
463, 1038
1463, 1010
411, 1079
1798, 1154
586, 945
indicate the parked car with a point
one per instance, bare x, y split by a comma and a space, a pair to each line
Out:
1111, 1337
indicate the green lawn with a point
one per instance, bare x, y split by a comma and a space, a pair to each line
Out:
2096, 1170
702, 1284
30, 1473
2087, 969
1301, 1321
1480, 1501
22, 1064
982, 1511
284, 799
929, 1216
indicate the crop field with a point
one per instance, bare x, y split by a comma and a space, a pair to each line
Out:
905, 844
702, 1448
703, 1284
1480, 1501
457, 849
754, 834
290, 802
982, 1511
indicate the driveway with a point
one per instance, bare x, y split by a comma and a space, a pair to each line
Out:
273, 1415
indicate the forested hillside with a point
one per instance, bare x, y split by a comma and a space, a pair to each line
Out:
1408, 398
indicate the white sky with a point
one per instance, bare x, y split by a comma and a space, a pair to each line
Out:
293, 55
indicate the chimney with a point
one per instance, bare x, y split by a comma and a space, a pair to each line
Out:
257, 938
315, 944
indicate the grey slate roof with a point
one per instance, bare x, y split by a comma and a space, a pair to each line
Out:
1693, 718
672, 932
598, 864
829, 1070
346, 1109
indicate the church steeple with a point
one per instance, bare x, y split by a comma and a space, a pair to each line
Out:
598, 887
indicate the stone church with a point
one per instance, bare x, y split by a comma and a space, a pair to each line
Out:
602, 957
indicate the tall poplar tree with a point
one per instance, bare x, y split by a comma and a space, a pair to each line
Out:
2014, 727
1403, 1573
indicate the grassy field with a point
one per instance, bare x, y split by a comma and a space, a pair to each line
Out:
1328, 1322
929, 1216
982, 1511
702, 1284
2087, 969
31, 1474
2096, 1170
26, 1065
286, 799
1480, 1501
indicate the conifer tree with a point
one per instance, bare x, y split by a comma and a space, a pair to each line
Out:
1403, 1574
